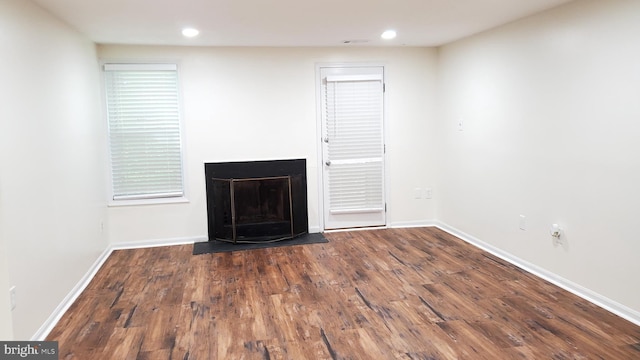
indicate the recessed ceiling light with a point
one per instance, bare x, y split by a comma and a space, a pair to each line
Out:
190, 32
388, 35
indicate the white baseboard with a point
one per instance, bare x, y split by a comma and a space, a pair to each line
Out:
579, 290
602, 301
158, 242
53, 319
410, 224
66, 303
394, 225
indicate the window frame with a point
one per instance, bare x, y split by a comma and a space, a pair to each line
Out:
144, 199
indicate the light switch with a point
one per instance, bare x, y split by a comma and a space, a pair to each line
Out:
523, 222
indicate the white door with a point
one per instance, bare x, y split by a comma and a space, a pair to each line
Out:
353, 147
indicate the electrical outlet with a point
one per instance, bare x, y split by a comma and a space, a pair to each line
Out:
417, 193
12, 297
523, 222
556, 233
428, 193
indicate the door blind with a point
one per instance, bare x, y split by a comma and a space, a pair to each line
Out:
355, 145
144, 130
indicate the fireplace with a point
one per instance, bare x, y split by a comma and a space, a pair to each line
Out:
256, 201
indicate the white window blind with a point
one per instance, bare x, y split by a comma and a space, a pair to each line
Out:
355, 145
144, 130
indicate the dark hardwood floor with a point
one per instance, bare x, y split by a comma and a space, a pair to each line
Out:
384, 294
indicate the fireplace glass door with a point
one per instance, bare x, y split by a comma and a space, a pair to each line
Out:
253, 209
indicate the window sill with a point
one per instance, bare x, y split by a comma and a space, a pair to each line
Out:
157, 201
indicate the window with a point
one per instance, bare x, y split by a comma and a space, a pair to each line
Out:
143, 114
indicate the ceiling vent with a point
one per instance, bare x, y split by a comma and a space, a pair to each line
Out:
361, 41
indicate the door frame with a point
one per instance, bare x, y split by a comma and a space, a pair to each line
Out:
319, 150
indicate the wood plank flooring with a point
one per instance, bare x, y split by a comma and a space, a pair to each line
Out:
383, 294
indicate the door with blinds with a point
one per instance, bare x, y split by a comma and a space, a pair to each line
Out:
353, 147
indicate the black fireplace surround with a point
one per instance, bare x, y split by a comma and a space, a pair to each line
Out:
256, 201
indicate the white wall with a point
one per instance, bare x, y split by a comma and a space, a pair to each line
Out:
6, 320
551, 109
549, 105
52, 180
260, 103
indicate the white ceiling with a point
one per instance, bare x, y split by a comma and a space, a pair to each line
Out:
288, 22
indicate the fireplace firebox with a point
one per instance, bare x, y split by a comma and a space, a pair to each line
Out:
256, 201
